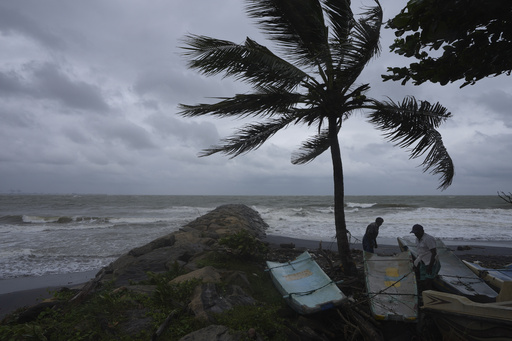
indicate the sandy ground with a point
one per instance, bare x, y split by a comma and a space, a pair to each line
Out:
25, 291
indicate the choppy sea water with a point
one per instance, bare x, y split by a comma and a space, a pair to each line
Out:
57, 234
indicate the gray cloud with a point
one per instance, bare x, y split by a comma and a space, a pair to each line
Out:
48, 81
499, 103
13, 21
10, 83
89, 95
51, 83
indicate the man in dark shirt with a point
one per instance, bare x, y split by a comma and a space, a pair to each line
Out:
370, 236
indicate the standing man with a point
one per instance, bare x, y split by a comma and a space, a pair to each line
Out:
370, 236
427, 263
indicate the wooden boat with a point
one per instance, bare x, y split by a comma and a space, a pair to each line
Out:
304, 285
391, 286
454, 276
495, 277
459, 318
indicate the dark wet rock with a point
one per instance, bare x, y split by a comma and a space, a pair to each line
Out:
224, 219
208, 274
287, 245
136, 322
463, 248
239, 279
31, 313
209, 299
168, 240
212, 333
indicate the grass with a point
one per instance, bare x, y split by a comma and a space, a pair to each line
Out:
105, 315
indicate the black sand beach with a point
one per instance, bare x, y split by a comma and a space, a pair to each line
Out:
25, 291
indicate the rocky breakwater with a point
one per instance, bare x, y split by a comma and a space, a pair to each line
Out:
186, 246
217, 290
186, 254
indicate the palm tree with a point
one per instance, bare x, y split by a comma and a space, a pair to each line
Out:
326, 50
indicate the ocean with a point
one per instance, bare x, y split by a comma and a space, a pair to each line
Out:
60, 234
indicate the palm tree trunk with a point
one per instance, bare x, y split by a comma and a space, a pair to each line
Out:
339, 200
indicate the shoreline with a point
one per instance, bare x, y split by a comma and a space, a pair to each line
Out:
390, 245
26, 291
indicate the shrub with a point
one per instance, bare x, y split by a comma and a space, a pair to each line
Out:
244, 244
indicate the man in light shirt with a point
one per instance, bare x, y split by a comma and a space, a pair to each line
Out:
426, 262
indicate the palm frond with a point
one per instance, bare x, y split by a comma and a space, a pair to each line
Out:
311, 148
297, 27
351, 57
266, 102
250, 62
367, 33
249, 137
340, 17
410, 123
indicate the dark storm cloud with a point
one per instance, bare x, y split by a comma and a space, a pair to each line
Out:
124, 134
48, 81
13, 21
10, 83
18, 119
198, 134
52, 83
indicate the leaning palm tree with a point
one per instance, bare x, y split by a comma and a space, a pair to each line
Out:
326, 49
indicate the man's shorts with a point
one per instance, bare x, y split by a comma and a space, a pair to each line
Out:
423, 271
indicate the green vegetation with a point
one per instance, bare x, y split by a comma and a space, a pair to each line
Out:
262, 318
452, 40
245, 245
101, 317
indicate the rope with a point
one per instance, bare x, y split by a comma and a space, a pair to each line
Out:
391, 285
289, 263
465, 284
309, 292
478, 279
383, 290
349, 237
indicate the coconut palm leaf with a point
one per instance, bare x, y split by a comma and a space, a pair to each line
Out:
366, 35
250, 62
410, 123
266, 103
303, 38
363, 45
341, 20
249, 137
312, 148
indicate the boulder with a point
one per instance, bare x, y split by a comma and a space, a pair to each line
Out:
207, 300
167, 240
240, 279
208, 274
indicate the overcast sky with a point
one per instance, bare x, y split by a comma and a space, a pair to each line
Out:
88, 104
